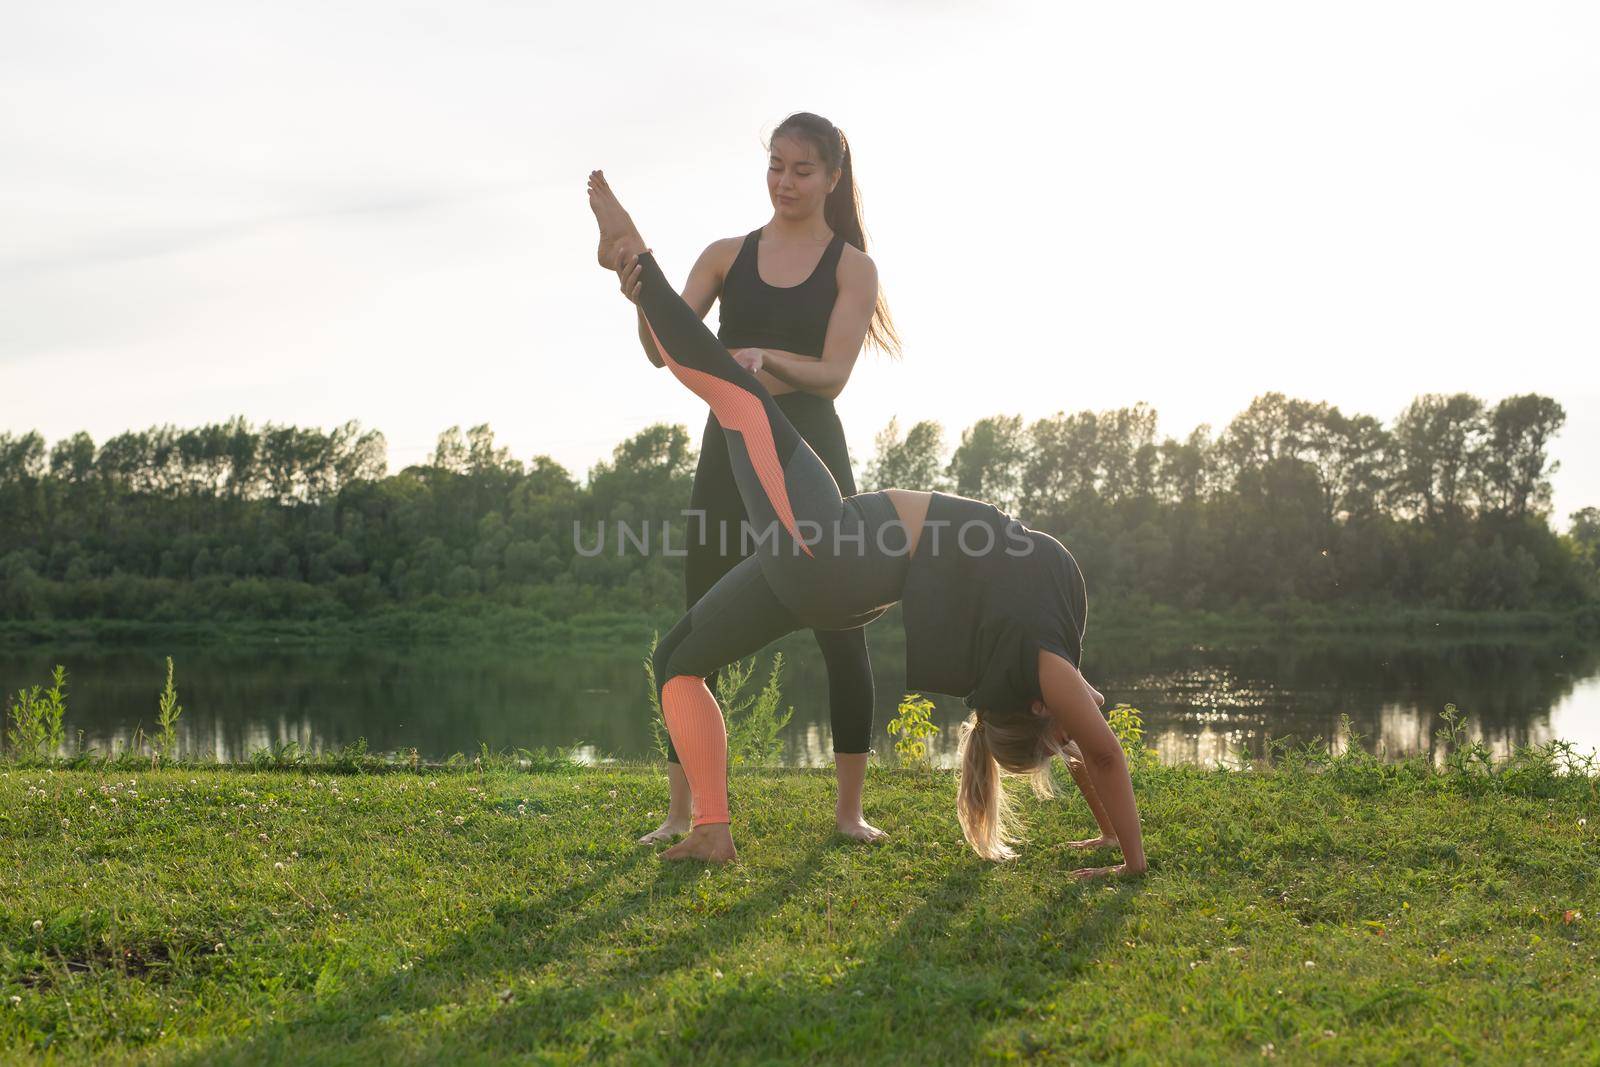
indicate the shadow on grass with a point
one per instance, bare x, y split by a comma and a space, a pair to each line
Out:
952, 979
619, 965
515, 926
519, 942
567, 1017
954, 975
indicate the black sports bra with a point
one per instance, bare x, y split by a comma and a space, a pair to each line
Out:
792, 318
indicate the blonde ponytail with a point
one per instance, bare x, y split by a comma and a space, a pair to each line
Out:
981, 806
1019, 745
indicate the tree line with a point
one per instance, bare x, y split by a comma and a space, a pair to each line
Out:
1292, 501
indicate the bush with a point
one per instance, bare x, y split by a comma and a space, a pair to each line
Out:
1127, 722
913, 729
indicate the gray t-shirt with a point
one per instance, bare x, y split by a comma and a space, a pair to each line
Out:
983, 594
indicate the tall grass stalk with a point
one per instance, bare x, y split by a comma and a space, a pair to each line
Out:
167, 715
36, 733
658, 727
753, 720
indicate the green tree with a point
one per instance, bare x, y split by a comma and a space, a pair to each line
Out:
913, 463
1517, 471
1439, 443
988, 463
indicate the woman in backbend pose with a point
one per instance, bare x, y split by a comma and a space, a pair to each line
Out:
993, 611
809, 321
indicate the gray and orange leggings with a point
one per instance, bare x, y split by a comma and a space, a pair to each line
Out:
821, 561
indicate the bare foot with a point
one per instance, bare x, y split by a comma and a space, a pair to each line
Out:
619, 237
670, 828
1094, 842
860, 829
712, 843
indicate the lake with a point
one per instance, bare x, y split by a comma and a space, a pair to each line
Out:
1202, 701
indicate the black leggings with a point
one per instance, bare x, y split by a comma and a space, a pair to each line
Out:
715, 546
818, 560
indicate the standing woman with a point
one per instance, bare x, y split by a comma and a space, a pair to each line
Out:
803, 291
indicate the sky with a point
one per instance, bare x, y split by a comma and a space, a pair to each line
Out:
309, 212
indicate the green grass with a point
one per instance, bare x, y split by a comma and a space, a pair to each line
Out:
1336, 910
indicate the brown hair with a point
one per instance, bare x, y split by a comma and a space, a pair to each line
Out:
1018, 744
842, 209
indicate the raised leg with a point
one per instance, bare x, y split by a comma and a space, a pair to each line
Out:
780, 477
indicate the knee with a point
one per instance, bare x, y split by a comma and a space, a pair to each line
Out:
681, 690
661, 659
661, 664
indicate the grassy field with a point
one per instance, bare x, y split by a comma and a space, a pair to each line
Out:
1326, 909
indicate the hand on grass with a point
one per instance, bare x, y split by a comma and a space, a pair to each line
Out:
1094, 842
1084, 874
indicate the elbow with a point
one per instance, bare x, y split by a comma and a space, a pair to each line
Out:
1107, 758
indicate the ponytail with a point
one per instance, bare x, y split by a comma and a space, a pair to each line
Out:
981, 805
842, 209
1020, 744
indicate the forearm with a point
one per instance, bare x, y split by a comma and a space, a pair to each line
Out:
1114, 788
803, 372
1086, 784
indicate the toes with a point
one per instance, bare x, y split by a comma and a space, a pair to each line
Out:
682, 850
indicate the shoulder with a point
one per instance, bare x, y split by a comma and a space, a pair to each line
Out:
856, 268
724, 250
718, 257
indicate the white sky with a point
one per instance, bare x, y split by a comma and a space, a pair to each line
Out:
307, 212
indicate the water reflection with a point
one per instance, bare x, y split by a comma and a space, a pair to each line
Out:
1202, 703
